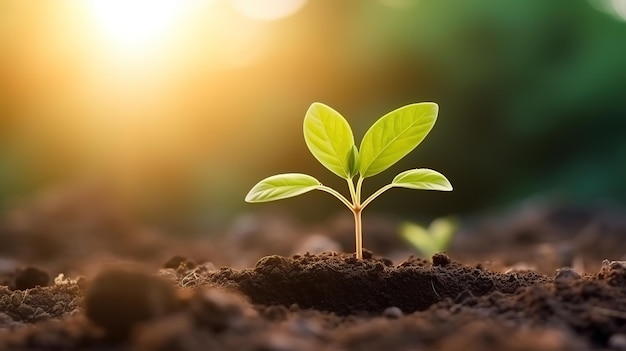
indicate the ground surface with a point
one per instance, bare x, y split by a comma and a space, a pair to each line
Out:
503, 286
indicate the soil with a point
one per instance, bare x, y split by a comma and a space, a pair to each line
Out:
538, 278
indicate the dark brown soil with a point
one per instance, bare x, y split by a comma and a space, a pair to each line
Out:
344, 285
277, 305
507, 292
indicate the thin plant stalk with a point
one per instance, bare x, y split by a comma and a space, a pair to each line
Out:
358, 233
356, 207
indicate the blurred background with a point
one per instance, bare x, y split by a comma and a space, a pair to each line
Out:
177, 108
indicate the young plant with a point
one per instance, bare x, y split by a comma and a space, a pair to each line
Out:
431, 240
329, 138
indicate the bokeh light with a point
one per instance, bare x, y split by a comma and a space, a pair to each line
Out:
268, 10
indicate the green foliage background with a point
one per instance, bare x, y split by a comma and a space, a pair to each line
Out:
531, 94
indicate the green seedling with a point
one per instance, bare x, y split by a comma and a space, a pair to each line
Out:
431, 240
329, 138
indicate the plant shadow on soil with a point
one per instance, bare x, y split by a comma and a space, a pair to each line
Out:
328, 301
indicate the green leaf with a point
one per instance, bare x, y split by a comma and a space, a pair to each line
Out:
420, 238
329, 138
422, 179
353, 161
394, 135
282, 186
442, 230
432, 240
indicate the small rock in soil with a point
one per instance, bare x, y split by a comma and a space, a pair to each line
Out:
118, 299
392, 312
566, 274
31, 277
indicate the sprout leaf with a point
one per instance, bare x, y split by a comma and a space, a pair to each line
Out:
329, 138
282, 186
394, 135
422, 179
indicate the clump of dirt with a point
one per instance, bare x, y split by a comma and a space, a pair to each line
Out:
37, 304
118, 299
344, 285
23, 278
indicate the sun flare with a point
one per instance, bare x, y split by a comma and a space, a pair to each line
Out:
135, 23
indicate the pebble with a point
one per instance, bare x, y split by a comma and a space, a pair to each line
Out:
392, 312
566, 274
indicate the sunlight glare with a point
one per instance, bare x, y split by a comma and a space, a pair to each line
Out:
619, 6
135, 22
268, 10
616, 8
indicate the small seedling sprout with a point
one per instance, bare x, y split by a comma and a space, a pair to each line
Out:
429, 241
329, 138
